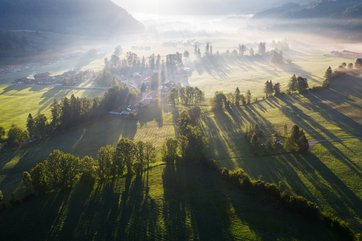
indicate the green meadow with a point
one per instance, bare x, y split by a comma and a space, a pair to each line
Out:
81, 140
180, 203
225, 74
330, 173
192, 204
17, 101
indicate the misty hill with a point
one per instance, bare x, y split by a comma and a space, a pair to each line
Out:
342, 9
84, 17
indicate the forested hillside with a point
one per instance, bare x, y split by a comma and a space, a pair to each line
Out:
320, 9
66, 16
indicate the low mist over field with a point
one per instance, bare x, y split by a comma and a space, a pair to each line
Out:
180, 120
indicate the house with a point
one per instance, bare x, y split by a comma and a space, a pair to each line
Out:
42, 76
130, 112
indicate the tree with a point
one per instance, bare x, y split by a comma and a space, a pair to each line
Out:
297, 141
87, 168
248, 97
75, 107
192, 144
125, 156
63, 169
358, 63
139, 157
195, 115
219, 101
343, 65
1, 197
268, 89
198, 96
183, 121
276, 89
40, 177
242, 49
66, 115
149, 153
2, 132
277, 57
251, 52
262, 48
30, 125
169, 150
173, 96
106, 156
40, 126
302, 84
149, 157
327, 77
237, 97
243, 99
60, 171
28, 182
16, 136
56, 111
302, 142
293, 83
182, 95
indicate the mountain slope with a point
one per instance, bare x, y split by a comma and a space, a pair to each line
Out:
85, 17
323, 9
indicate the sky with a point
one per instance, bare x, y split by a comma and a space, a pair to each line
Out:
199, 6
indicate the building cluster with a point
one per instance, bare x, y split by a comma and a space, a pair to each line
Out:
69, 78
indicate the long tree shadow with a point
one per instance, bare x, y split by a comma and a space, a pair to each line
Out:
214, 209
116, 209
314, 128
336, 117
174, 207
82, 140
343, 200
217, 147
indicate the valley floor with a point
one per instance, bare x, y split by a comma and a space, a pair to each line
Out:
183, 203
191, 204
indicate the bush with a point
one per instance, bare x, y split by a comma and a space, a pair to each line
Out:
291, 202
16, 137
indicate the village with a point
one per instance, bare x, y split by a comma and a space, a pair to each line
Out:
154, 78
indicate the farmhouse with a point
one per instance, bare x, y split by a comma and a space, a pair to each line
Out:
42, 76
129, 111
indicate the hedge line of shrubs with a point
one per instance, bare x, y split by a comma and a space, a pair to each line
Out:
291, 202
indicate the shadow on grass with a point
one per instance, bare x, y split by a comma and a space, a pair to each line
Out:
151, 113
116, 209
316, 129
305, 174
80, 141
196, 205
203, 207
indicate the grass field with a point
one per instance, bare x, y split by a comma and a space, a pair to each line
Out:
331, 173
226, 74
192, 204
183, 203
84, 140
18, 101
